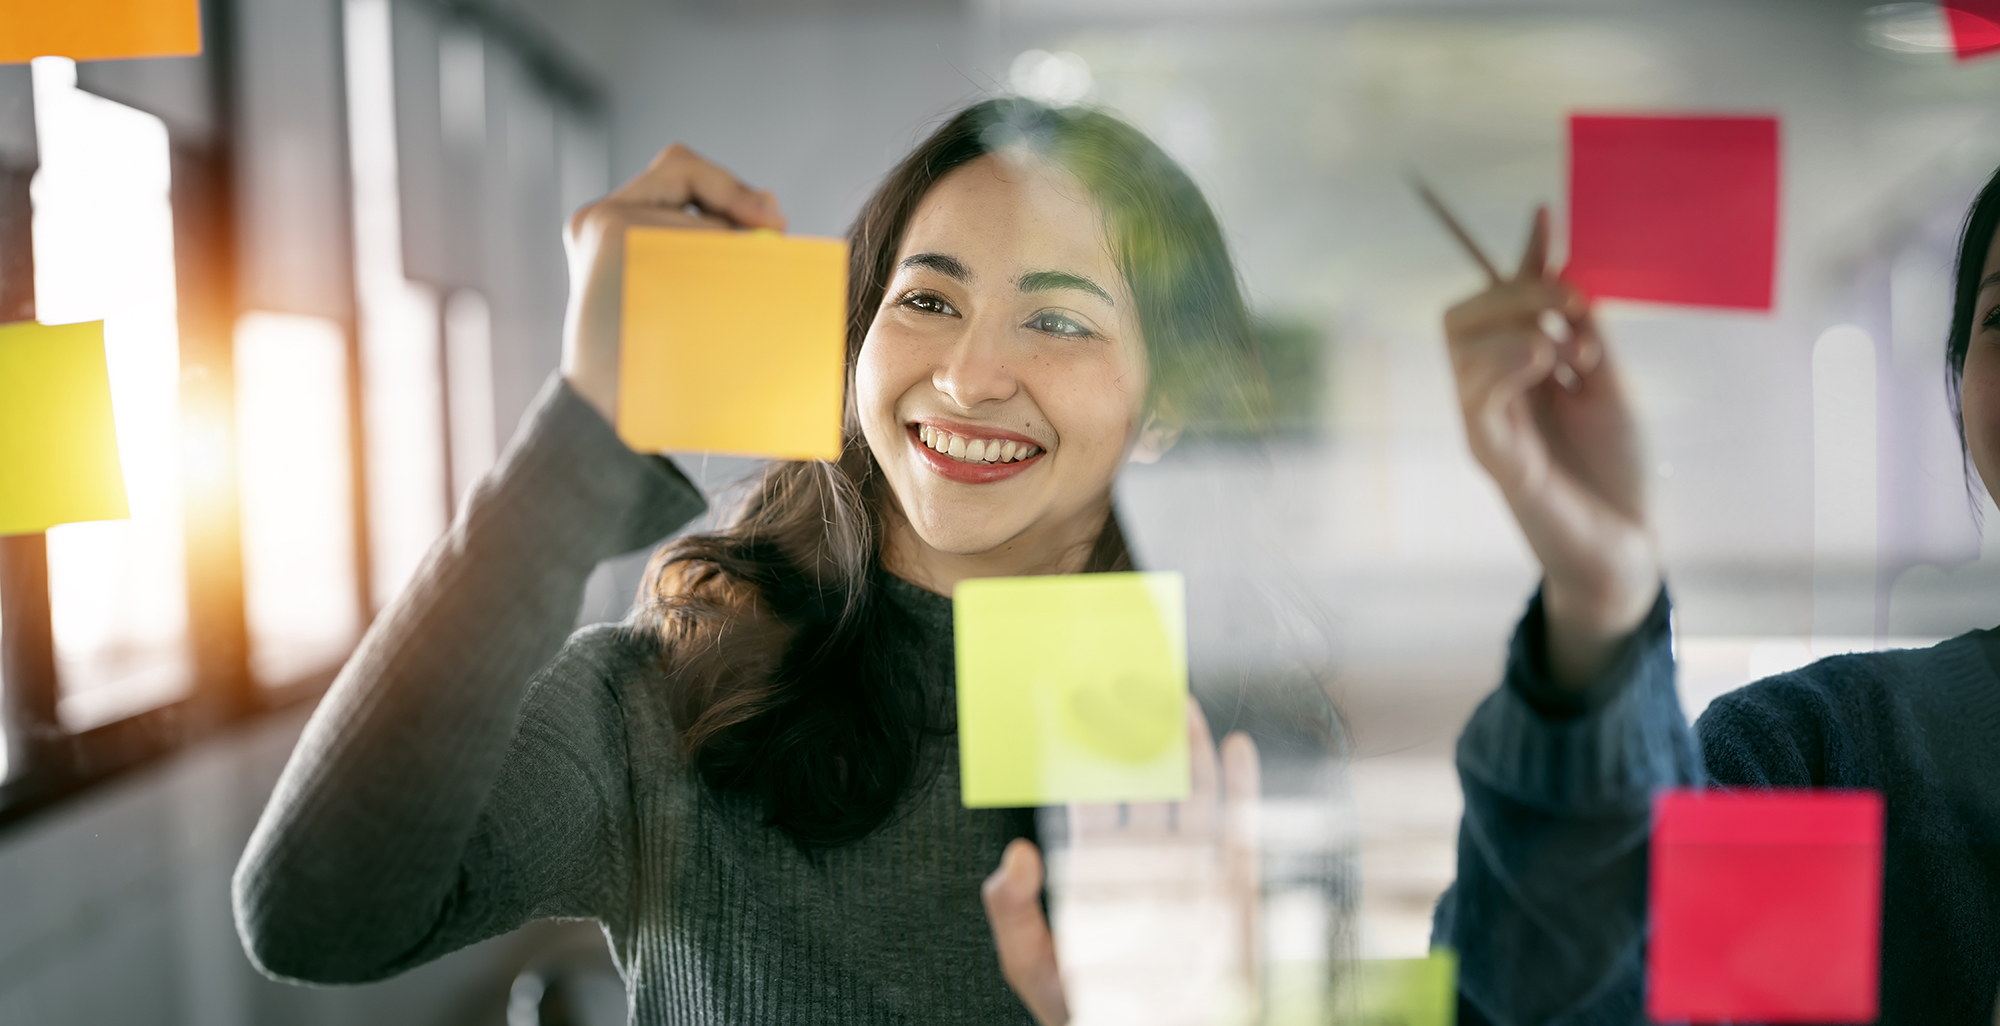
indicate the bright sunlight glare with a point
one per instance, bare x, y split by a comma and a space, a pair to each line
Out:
297, 498
104, 249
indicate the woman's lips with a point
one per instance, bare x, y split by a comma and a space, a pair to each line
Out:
964, 472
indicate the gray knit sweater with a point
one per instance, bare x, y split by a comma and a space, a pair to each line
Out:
470, 771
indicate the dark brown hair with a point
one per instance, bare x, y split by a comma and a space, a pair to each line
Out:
773, 637
1975, 237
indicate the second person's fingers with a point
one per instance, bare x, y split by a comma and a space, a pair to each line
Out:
1494, 369
1535, 257
1510, 305
1585, 347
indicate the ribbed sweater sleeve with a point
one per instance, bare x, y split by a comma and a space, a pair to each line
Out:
1548, 912
402, 827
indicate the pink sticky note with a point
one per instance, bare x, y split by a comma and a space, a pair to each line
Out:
1674, 209
1975, 26
1766, 906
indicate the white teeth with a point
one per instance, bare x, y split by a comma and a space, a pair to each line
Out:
974, 450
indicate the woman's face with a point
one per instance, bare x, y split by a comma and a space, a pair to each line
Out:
1979, 391
1002, 383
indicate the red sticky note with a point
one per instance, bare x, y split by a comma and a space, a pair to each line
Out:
1674, 209
1766, 906
1974, 25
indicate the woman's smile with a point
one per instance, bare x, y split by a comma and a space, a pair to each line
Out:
970, 454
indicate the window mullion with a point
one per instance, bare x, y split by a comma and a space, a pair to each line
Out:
27, 640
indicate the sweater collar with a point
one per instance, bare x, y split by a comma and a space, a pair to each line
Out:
924, 607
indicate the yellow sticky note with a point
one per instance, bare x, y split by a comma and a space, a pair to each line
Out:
1071, 688
58, 447
1397, 992
98, 30
733, 342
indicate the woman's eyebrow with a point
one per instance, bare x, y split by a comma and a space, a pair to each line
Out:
945, 265
1048, 281
1989, 281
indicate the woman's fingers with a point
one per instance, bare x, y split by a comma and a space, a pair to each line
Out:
680, 177
1021, 933
1242, 782
1205, 785
613, 215
1197, 815
1242, 778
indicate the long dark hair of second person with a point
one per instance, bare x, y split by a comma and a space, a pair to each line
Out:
773, 632
1973, 242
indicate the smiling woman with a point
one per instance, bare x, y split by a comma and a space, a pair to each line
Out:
1028, 276
753, 781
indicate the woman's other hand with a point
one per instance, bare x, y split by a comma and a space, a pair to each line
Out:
1547, 418
1158, 906
1013, 897
679, 189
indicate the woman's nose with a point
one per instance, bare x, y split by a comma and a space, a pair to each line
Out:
975, 371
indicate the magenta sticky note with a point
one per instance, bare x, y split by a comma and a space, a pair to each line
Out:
1766, 906
1974, 26
1674, 209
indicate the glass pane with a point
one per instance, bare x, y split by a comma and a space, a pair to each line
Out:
104, 249
298, 501
402, 380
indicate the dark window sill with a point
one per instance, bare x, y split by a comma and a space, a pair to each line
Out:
70, 765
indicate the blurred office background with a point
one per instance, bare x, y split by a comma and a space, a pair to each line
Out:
328, 256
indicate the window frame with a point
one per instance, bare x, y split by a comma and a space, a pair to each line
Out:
46, 764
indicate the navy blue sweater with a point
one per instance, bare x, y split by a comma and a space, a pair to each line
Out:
1548, 912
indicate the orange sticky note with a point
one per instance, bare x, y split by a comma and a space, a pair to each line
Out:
58, 447
98, 30
733, 342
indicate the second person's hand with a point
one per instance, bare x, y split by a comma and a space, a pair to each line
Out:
1565, 452
679, 189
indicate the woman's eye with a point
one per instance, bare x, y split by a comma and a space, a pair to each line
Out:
1057, 324
1992, 318
928, 302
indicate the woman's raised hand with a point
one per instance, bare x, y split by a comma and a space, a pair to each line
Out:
679, 189
1158, 904
1546, 417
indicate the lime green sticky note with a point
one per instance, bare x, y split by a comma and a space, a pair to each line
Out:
1071, 688
1398, 992
58, 447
